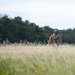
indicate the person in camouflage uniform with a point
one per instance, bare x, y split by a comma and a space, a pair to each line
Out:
55, 38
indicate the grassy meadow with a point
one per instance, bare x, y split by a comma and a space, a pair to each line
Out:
37, 60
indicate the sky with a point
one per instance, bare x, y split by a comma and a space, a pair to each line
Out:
58, 14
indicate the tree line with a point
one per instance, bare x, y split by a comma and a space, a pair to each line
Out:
15, 29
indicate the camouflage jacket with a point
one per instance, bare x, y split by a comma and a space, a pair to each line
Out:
55, 38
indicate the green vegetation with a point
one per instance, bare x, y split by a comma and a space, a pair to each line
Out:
37, 60
15, 29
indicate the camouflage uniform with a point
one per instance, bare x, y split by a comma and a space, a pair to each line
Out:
55, 39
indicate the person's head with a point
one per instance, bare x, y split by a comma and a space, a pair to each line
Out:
56, 31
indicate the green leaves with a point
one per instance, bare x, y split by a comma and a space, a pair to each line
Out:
15, 29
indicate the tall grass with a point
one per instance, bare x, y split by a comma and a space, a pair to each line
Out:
37, 60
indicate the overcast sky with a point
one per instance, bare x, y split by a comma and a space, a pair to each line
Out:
54, 13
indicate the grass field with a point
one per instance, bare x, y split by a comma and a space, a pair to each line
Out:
37, 60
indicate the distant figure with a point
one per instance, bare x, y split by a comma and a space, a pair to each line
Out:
55, 38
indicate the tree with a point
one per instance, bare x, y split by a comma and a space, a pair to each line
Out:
14, 29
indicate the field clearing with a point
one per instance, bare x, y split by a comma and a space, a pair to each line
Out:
37, 60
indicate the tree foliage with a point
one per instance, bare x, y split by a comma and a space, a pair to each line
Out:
14, 29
